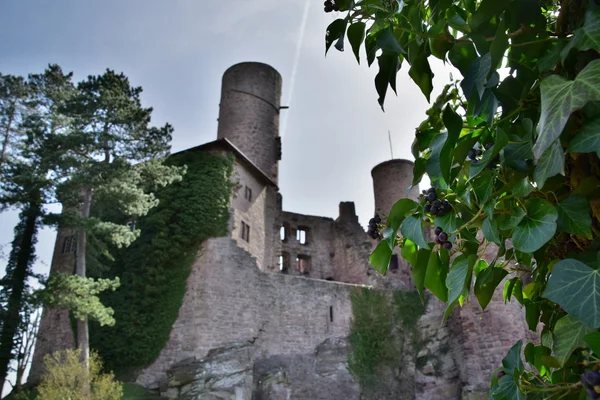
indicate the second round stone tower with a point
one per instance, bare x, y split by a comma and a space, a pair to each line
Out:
249, 113
391, 180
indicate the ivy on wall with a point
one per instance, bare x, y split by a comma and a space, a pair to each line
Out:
153, 271
377, 321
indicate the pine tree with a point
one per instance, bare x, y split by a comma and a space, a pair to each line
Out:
108, 154
29, 116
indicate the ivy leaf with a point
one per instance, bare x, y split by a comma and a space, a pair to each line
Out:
476, 76
552, 163
507, 389
588, 36
453, 123
486, 107
334, 31
435, 277
421, 73
517, 154
418, 171
489, 154
400, 210
560, 98
483, 186
522, 187
593, 340
568, 335
387, 42
512, 362
448, 222
433, 162
574, 216
356, 35
511, 220
490, 230
486, 11
461, 55
499, 44
380, 258
576, 288
420, 269
371, 48
409, 252
486, 283
412, 228
457, 278
588, 139
538, 226
389, 65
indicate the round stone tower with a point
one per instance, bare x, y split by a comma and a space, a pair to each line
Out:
391, 180
249, 113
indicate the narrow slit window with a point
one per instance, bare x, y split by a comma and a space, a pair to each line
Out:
248, 194
394, 263
245, 231
283, 234
330, 313
284, 261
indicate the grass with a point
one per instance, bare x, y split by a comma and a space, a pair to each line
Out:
131, 391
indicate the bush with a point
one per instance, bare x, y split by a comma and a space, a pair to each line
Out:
66, 377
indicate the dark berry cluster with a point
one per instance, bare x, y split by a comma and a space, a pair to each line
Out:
473, 154
441, 238
374, 227
433, 205
331, 6
591, 382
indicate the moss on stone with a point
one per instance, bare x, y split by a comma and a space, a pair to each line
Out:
377, 322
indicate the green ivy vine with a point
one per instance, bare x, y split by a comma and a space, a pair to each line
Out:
511, 148
153, 271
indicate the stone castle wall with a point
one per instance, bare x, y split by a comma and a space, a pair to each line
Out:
229, 300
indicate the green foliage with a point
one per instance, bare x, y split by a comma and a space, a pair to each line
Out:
153, 271
377, 320
80, 296
516, 158
66, 378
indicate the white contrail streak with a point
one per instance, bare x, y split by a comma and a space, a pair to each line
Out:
295, 64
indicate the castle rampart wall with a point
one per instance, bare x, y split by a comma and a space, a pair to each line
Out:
229, 300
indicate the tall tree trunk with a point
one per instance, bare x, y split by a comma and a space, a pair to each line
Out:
83, 335
21, 255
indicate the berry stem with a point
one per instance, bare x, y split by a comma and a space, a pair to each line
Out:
468, 223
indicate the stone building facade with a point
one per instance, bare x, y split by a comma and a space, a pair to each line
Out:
267, 311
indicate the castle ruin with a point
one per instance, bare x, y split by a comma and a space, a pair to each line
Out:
268, 311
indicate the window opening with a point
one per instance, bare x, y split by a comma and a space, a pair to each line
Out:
69, 244
394, 263
248, 194
131, 225
284, 261
302, 234
245, 231
330, 313
303, 264
283, 234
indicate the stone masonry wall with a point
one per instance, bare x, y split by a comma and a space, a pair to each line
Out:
229, 300
318, 244
251, 211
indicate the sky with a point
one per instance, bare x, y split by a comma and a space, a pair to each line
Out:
177, 50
